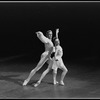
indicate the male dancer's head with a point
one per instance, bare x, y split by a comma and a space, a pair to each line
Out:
49, 34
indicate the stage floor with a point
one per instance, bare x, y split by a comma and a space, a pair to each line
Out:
80, 82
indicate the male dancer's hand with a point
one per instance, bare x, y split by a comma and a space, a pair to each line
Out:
38, 33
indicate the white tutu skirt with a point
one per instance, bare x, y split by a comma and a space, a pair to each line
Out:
57, 64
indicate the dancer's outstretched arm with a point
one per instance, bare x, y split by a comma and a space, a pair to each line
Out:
42, 37
57, 31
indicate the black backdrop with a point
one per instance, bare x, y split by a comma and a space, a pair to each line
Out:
79, 25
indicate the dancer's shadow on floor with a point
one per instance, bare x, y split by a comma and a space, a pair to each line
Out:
50, 83
32, 82
10, 79
35, 81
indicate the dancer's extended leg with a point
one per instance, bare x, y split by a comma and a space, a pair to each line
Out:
63, 74
44, 73
40, 64
54, 76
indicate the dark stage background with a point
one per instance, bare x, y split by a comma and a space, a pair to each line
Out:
79, 25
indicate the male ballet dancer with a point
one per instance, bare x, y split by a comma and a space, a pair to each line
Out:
49, 47
55, 63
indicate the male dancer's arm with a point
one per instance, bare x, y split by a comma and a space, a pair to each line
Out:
45, 40
42, 37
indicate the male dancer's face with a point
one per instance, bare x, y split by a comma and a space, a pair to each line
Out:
49, 35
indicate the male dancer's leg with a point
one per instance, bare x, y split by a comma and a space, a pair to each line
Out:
44, 73
40, 64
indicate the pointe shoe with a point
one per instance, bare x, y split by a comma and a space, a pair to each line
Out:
35, 85
55, 83
62, 83
25, 82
